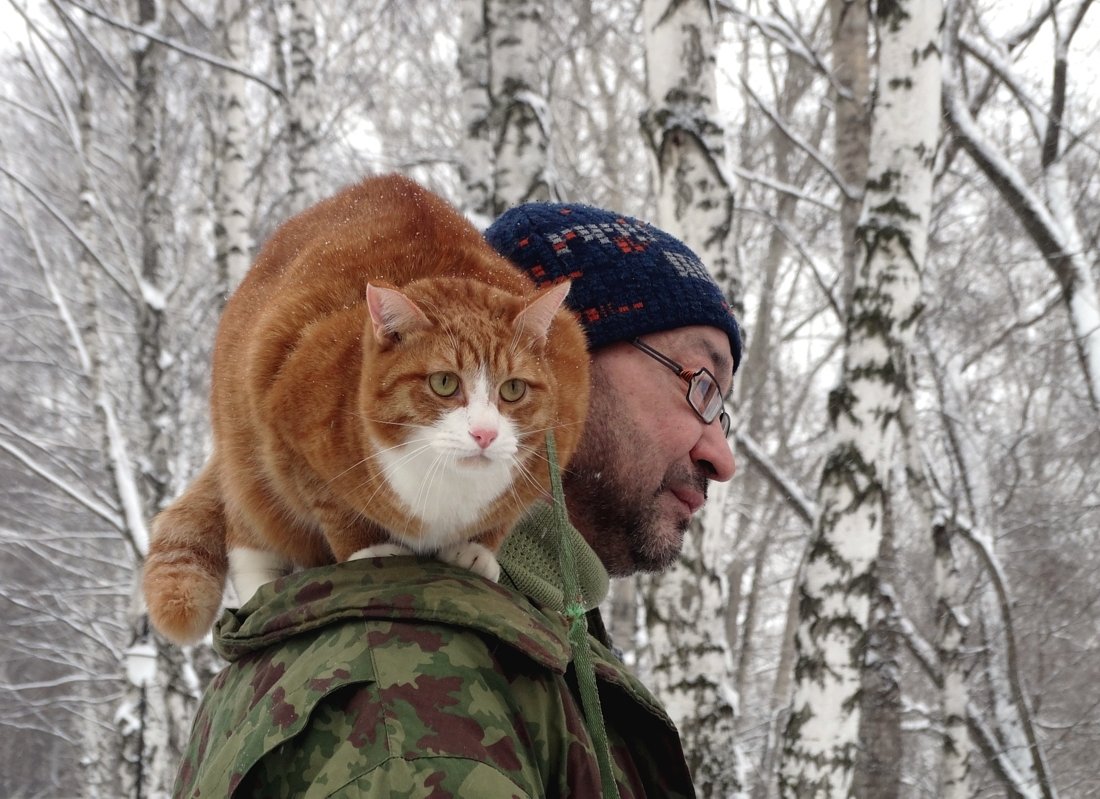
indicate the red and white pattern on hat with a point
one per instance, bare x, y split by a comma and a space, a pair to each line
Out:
622, 234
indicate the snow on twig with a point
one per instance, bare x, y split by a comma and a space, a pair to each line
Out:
101, 510
187, 50
848, 191
777, 476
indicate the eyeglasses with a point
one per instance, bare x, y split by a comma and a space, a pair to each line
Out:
703, 394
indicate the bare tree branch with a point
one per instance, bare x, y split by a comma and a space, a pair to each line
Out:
179, 47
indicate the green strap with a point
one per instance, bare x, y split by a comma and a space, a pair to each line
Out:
578, 631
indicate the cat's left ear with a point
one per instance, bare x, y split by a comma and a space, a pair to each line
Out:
393, 314
534, 320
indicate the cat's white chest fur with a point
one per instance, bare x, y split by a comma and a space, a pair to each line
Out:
448, 474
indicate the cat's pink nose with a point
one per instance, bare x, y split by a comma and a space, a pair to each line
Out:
483, 436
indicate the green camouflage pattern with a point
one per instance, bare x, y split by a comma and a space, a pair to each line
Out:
407, 677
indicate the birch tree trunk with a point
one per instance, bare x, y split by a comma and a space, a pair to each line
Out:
303, 106
142, 746
821, 741
758, 386
688, 651
951, 620
878, 764
232, 241
520, 111
476, 167
685, 136
154, 712
878, 767
155, 409
852, 129
955, 779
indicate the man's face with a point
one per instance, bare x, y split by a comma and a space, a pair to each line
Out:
646, 458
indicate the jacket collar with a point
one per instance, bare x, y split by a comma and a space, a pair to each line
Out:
530, 561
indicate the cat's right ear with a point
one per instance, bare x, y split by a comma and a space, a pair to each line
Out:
393, 314
536, 318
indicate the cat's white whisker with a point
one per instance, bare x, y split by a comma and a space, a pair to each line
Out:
357, 464
382, 474
535, 452
513, 345
523, 472
361, 416
426, 485
367, 458
560, 426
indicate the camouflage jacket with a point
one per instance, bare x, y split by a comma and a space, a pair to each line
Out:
412, 678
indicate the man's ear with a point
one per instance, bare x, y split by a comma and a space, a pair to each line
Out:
534, 320
393, 315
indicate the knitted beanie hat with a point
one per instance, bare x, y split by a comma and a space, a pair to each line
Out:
629, 278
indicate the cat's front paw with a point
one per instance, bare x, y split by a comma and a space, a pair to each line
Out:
250, 568
475, 557
380, 551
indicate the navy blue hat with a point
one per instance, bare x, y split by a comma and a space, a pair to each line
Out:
629, 278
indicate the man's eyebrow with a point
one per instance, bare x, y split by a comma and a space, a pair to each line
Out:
722, 364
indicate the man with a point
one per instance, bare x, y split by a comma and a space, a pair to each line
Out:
408, 677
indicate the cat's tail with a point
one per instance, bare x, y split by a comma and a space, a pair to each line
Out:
186, 566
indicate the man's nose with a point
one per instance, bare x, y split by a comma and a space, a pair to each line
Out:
713, 455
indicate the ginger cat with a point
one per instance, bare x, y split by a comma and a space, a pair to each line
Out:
383, 382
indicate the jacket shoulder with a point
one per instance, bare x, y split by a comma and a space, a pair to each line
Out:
330, 685
393, 589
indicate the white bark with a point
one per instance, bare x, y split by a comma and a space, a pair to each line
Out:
147, 122
822, 735
521, 113
685, 134
234, 243
851, 129
878, 766
303, 106
955, 779
986, 738
150, 718
951, 620
692, 665
476, 166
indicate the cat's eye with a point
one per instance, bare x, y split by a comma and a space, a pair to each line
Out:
512, 390
445, 384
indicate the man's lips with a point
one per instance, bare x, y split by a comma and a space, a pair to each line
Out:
690, 497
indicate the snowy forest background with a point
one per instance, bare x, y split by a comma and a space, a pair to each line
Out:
897, 596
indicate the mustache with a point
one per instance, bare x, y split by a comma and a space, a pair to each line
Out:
693, 478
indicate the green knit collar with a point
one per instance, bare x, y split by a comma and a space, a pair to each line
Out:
529, 561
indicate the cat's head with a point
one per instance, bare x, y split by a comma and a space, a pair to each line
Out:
460, 383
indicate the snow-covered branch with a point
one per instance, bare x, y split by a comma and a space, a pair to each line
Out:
180, 47
778, 477
62, 484
800, 141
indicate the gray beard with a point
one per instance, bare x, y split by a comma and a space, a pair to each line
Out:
620, 521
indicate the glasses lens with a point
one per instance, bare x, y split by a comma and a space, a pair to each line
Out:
704, 395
